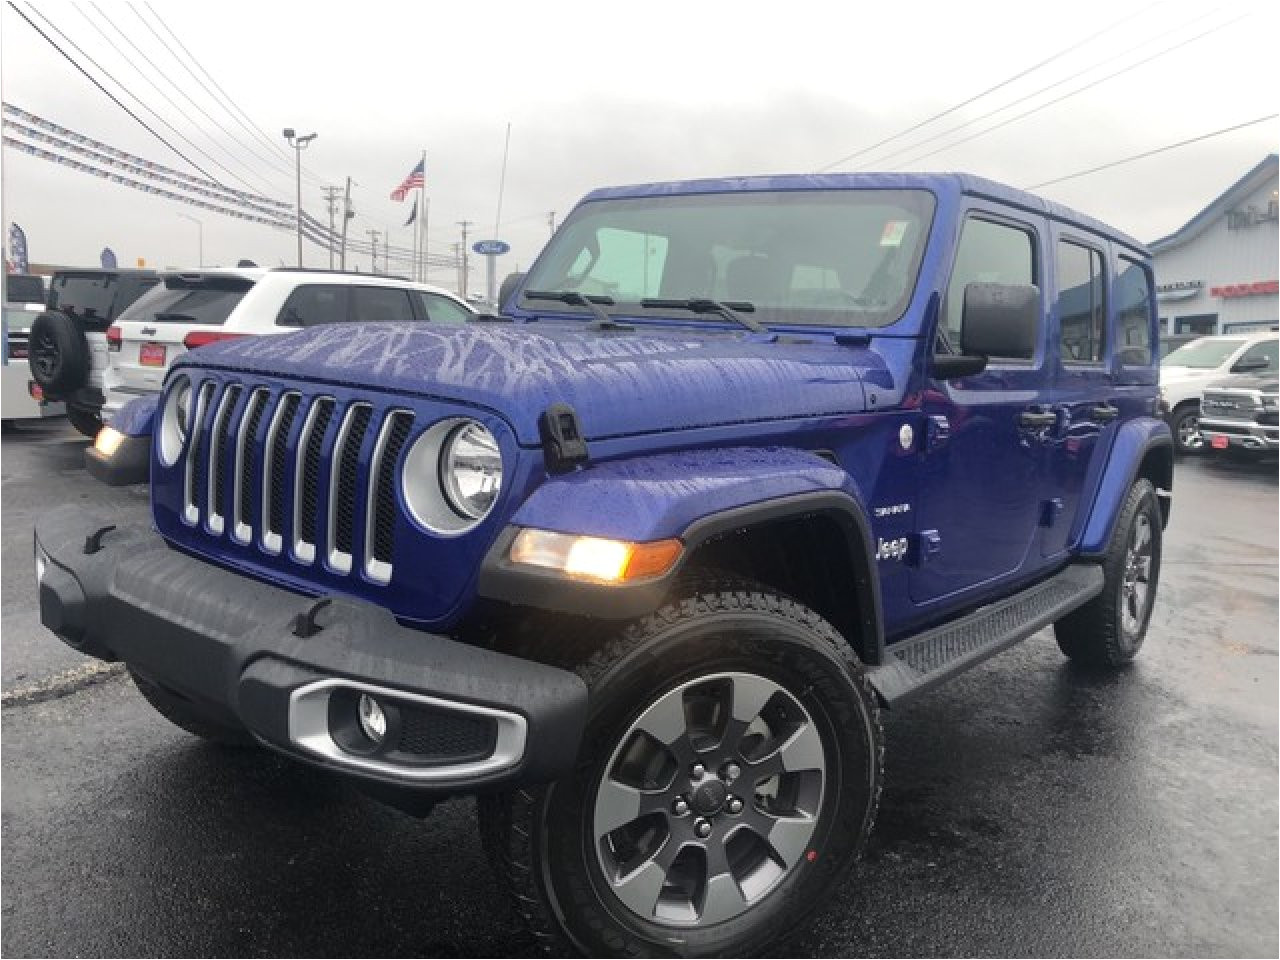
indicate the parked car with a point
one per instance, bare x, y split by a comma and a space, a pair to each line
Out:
195, 308
1239, 414
68, 341
748, 461
1186, 371
21, 398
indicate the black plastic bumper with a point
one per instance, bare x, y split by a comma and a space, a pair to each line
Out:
131, 463
235, 648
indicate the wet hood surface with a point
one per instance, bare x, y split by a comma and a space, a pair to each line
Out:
1266, 382
620, 383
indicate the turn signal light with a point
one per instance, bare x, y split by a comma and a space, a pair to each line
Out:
108, 441
595, 558
200, 338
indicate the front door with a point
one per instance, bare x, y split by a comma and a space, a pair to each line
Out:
982, 471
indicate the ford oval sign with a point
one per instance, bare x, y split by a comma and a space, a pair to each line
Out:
491, 248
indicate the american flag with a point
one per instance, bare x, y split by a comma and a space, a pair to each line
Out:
414, 181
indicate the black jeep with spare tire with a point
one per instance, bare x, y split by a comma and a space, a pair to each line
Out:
69, 340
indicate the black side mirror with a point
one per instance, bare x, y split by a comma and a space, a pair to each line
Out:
953, 366
509, 285
1000, 320
1250, 364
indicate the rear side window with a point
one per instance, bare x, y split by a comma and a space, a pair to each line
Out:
443, 310
1134, 302
381, 305
1082, 311
313, 304
183, 301
989, 252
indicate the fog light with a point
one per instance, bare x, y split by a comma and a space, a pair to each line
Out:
373, 721
108, 441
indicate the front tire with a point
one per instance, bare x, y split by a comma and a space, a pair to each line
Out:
728, 778
1187, 438
1108, 630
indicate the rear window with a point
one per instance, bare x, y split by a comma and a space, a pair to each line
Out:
182, 300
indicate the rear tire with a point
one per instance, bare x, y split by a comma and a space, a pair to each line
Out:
58, 354
85, 422
1108, 630
183, 713
782, 829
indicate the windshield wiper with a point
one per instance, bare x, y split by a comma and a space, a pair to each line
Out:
592, 302
727, 309
176, 318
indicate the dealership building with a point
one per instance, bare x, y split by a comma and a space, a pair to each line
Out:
1218, 272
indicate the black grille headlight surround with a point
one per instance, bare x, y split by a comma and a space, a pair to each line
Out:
175, 415
452, 475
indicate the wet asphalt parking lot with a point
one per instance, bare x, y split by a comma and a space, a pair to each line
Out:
1030, 809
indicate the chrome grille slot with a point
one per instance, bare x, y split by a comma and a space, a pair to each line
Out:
380, 504
194, 470
306, 484
344, 465
246, 464
273, 471
217, 479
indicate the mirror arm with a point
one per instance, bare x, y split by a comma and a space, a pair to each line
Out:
954, 366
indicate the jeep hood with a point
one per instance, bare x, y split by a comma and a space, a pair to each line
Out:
620, 383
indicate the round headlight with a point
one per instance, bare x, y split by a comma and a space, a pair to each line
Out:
452, 476
471, 470
174, 417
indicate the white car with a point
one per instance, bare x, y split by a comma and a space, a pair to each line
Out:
1185, 373
21, 398
190, 309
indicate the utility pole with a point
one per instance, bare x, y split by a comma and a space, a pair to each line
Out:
299, 144
373, 260
347, 214
457, 261
551, 221
464, 224
331, 199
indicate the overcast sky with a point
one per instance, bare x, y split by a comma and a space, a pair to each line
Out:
605, 93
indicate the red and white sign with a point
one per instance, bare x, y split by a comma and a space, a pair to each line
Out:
151, 355
1232, 290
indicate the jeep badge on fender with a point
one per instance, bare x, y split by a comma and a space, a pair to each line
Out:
640, 561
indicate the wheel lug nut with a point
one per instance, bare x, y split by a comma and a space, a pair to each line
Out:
731, 772
697, 771
702, 828
735, 805
680, 807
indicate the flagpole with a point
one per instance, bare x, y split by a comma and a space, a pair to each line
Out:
413, 274
422, 219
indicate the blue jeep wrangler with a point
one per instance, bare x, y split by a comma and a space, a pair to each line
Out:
640, 561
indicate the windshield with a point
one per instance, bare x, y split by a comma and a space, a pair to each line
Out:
1203, 354
208, 301
813, 257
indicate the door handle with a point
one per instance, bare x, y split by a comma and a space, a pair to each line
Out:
1105, 412
1038, 419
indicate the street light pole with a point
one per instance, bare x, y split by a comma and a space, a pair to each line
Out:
299, 144
200, 227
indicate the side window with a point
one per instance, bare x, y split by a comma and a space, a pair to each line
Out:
1134, 302
1082, 311
381, 305
1268, 352
443, 310
314, 303
989, 252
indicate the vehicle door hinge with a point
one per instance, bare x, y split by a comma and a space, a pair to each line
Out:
563, 445
1050, 510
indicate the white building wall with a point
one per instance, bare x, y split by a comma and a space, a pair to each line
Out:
1219, 256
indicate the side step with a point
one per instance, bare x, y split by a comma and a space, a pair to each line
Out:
920, 663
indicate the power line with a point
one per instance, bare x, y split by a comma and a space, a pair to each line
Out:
1152, 153
251, 148
933, 138
232, 107
1069, 95
990, 90
49, 40
155, 86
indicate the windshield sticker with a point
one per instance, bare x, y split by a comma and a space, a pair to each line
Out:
894, 232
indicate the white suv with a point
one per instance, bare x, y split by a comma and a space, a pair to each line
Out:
190, 309
1185, 373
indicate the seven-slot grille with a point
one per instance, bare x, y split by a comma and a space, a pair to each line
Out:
243, 453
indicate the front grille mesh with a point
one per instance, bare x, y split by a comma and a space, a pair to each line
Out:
238, 465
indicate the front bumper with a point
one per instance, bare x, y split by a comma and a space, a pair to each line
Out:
1239, 435
290, 668
130, 463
